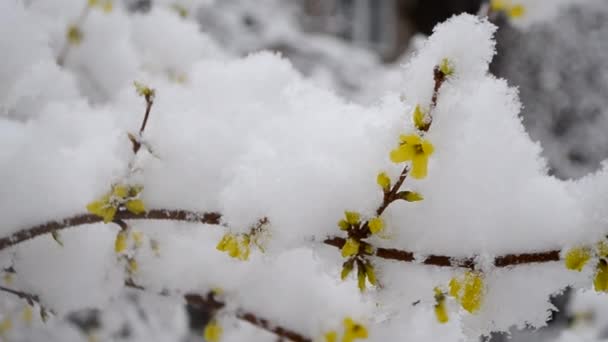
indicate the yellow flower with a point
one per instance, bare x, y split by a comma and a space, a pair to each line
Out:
132, 266
74, 35
413, 148
370, 273
350, 248
352, 217
468, 291
361, 275
441, 312
446, 67
384, 181
347, 267
353, 330
600, 281
143, 90
5, 326
410, 196
331, 336
375, 225
120, 195
213, 332
236, 245
120, 244
421, 120
576, 258
507, 7
472, 292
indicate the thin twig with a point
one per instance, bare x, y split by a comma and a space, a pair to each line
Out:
63, 53
82, 219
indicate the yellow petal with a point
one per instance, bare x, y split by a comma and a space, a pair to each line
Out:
498, 5
353, 330
419, 166
343, 225
600, 281
446, 67
347, 267
402, 154
350, 248
352, 217
602, 249
441, 312
135, 206
331, 336
576, 258
132, 266
213, 332
472, 293
370, 273
223, 244
120, 191
427, 147
96, 207
27, 315
5, 326
376, 225
420, 119
455, 286
410, 139
410, 196
120, 244
361, 275
516, 11
138, 238
74, 35
108, 214
384, 181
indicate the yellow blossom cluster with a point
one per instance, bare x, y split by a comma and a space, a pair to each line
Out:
121, 196
352, 331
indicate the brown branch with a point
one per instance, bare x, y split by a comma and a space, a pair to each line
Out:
30, 298
82, 219
215, 219
448, 261
211, 304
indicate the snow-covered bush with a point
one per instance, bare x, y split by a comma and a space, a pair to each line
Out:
242, 188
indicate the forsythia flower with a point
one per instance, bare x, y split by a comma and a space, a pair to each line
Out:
441, 312
446, 67
213, 332
120, 244
351, 218
236, 245
353, 330
347, 267
5, 326
74, 35
600, 281
506, 6
375, 225
107, 206
384, 181
468, 291
421, 120
350, 248
413, 147
576, 258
